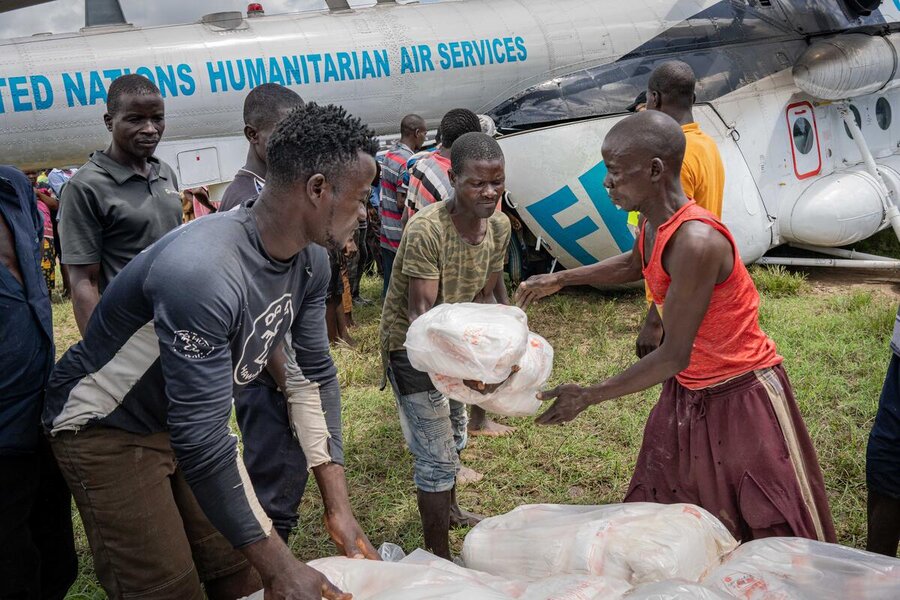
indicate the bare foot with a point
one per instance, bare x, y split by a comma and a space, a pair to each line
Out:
490, 428
462, 518
467, 475
481, 424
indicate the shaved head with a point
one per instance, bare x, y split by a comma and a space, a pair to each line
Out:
647, 135
410, 123
643, 155
674, 81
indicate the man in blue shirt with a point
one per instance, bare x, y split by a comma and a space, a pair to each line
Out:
37, 550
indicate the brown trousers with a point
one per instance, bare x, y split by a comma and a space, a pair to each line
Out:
741, 451
148, 535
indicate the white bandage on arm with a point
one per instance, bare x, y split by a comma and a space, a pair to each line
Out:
305, 411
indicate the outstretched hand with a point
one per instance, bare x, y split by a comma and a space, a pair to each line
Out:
570, 401
535, 288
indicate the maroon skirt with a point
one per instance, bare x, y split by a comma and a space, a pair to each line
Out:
741, 451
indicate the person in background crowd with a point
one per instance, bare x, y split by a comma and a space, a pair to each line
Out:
201, 205
37, 547
58, 178
264, 107
671, 91
393, 190
429, 179
47, 205
122, 200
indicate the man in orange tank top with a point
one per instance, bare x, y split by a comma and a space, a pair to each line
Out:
726, 433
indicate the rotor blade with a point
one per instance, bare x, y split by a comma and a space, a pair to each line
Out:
8, 5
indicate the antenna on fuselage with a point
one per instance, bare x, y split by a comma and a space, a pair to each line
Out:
103, 12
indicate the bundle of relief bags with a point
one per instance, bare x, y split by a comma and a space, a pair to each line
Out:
637, 551
486, 343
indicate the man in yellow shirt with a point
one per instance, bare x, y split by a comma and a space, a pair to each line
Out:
671, 90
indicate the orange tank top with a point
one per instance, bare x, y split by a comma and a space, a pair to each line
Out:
729, 342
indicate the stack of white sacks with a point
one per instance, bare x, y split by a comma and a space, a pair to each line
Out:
636, 551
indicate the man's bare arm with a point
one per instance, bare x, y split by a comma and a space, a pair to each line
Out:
695, 259
422, 297
623, 268
332, 481
84, 281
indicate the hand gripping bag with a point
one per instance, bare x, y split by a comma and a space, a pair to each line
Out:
482, 342
517, 397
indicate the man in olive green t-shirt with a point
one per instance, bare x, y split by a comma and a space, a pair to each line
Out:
452, 251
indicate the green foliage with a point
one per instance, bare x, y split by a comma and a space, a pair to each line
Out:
776, 281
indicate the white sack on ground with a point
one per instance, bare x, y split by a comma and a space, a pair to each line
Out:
559, 587
482, 342
636, 542
517, 397
675, 590
378, 580
800, 569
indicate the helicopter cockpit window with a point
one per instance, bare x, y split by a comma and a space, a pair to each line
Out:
803, 135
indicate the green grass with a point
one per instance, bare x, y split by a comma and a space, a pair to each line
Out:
777, 282
835, 349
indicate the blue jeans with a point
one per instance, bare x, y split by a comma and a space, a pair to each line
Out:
275, 463
435, 431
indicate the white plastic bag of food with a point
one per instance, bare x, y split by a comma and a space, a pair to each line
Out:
801, 569
637, 542
404, 580
575, 587
482, 342
675, 590
517, 397
558, 587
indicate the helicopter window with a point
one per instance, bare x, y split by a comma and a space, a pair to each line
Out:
856, 118
803, 135
883, 113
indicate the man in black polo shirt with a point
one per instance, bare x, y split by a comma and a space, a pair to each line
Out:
122, 200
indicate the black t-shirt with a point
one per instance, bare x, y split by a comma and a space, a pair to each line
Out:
245, 186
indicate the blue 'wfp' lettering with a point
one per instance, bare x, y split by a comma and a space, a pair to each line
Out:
616, 221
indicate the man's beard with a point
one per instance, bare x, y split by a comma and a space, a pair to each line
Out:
331, 242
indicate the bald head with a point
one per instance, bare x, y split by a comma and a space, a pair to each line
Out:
643, 155
410, 123
673, 84
647, 135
